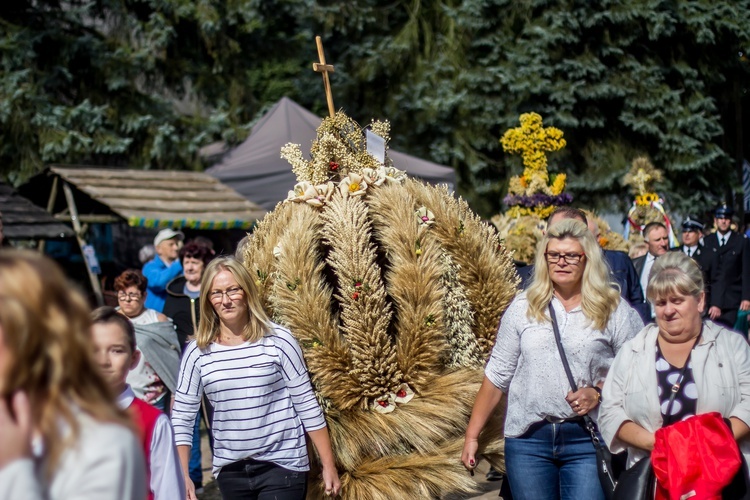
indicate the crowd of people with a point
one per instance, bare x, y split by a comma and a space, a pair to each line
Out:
669, 387
596, 348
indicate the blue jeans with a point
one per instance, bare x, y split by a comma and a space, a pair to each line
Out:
553, 462
195, 468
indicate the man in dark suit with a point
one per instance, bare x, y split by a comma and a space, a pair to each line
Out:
692, 230
656, 237
728, 269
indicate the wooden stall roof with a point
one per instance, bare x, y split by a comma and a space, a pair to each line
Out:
159, 198
23, 220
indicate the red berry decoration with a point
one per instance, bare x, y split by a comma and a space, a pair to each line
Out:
333, 165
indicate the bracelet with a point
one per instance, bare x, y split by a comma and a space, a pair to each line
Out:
598, 393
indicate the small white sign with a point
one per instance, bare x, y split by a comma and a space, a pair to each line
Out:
375, 146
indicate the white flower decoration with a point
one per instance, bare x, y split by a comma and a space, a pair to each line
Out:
302, 192
384, 404
393, 174
374, 176
352, 185
277, 251
323, 193
426, 218
404, 394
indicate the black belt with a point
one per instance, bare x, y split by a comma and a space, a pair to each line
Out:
555, 420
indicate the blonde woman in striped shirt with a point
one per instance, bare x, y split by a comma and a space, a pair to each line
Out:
253, 373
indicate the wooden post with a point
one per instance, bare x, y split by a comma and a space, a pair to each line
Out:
324, 68
94, 278
50, 208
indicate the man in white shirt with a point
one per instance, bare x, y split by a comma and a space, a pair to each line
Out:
657, 238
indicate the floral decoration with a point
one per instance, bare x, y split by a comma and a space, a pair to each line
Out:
352, 185
425, 217
535, 192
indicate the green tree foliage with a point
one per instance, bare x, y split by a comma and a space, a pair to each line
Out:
143, 83
621, 79
148, 82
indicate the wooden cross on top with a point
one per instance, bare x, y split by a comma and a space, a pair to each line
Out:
324, 68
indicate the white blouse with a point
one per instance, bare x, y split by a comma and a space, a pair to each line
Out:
525, 363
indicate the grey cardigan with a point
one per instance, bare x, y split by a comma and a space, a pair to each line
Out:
158, 343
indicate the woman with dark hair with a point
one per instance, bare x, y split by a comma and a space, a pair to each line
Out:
183, 291
154, 376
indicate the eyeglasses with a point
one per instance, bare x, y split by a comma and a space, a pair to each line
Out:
128, 296
233, 293
569, 258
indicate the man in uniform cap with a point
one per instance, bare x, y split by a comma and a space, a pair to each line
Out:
692, 230
727, 269
163, 268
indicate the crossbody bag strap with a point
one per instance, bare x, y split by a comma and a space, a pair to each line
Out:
588, 422
677, 387
560, 349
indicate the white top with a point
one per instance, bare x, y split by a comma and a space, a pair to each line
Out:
106, 463
167, 480
721, 369
647, 265
525, 363
143, 379
262, 397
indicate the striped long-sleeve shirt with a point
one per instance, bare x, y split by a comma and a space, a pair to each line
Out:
262, 397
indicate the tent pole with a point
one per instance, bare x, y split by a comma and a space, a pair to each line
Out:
50, 207
81, 242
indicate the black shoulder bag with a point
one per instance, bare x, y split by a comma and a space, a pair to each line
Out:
603, 455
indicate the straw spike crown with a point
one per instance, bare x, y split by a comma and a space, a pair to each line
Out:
394, 289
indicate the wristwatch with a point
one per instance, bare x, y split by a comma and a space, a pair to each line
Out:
598, 393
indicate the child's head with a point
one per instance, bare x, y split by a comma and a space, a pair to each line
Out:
114, 346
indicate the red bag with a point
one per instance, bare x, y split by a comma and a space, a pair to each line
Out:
695, 458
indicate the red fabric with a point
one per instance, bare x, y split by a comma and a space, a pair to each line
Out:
695, 458
144, 415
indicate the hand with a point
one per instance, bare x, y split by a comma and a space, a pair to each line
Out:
332, 482
745, 305
189, 488
468, 455
15, 433
714, 312
583, 400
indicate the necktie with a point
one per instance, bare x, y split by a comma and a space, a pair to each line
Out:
722, 241
689, 252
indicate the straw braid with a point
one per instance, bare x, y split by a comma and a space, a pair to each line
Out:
474, 246
414, 284
298, 291
365, 312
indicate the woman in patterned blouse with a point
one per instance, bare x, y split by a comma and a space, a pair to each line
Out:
548, 452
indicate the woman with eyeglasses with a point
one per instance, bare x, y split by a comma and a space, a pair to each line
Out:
254, 375
154, 377
548, 452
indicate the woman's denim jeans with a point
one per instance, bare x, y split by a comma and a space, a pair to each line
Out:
553, 462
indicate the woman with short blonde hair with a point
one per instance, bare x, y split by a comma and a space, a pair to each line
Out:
255, 377
548, 452
86, 445
682, 366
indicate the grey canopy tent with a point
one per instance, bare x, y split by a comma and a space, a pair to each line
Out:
256, 170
